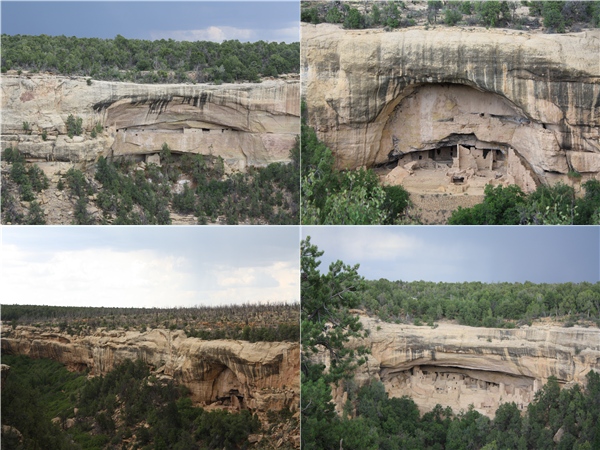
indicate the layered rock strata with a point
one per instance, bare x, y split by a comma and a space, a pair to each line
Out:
458, 366
245, 124
379, 97
260, 376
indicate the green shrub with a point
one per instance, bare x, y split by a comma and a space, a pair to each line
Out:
81, 215
465, 7
12, 155
553, 18
354, 19
493, 13
77, 183
74, 126
333, 14
185, 202
310, 15
35, 215
500, 207
397, 199
8, 205
38, 179
452, 17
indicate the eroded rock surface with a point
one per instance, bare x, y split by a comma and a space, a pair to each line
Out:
525, 108
261, 376
245, 124
458, 366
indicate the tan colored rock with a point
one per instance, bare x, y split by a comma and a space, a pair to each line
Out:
374, 96
238, 374
396, 176
584, 162
254, 124
153, 159
456, 365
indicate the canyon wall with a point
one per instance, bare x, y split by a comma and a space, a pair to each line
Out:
261, 376
375, 96
457, 366
246, 124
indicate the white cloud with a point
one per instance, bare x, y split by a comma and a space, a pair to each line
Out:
276, 283
213, 33
377, 244
288, 33
143, 278
100, 277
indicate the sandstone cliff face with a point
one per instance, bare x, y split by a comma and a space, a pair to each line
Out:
260, 376
374, 96
246, 124
458, 365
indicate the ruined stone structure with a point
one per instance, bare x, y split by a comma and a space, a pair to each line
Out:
477, 106
259, 376
457, 366
246, 124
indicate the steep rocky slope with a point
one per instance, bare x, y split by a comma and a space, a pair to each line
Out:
458, 365
261, 376
510, 106
245, 124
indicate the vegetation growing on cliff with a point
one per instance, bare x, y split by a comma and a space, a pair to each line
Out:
548, 205
127, 408
251, 322
125, 193
140, 61
555, 419
332, 197
556, 16
21, 182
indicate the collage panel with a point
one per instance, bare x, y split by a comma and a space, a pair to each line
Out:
150, 337
351, 123
450, 337
150, 113
449, 112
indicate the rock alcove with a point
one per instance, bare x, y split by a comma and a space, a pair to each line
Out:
456, 138
530, 100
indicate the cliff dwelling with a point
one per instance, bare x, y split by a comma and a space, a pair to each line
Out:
455, 139
446, 112
485, 390
227, 390
247, 124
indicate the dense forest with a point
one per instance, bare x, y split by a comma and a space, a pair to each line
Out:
372, 420
250, 322
555, 16
332, 197
481, 304
45, 406
127, 193
141, 61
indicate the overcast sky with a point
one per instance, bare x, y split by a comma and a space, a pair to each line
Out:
199, 20
457, 254
149, 266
